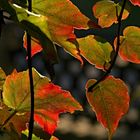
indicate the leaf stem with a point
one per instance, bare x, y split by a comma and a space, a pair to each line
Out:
117, 49
31, 122
9, 118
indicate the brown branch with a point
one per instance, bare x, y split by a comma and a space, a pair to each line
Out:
117, 49
31, 122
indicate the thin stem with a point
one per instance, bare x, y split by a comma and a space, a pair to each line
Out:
9, 118
117, 49
31, 122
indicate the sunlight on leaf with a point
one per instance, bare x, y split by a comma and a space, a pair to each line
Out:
130, 44
110, 101
34, 137
96, 51
57, 22
50, 99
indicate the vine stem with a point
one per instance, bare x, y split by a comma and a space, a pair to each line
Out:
31, 122
90, 89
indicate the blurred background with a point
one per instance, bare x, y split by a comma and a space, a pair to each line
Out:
71, 76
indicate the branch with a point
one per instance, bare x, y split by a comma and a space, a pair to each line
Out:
31, 122
117, 49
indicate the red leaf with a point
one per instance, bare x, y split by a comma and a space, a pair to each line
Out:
36, 46
109, 100
50, 99
135, 2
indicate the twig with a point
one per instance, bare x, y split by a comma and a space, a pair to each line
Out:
31, 122
117, 50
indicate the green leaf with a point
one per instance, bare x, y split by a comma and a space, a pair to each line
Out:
107, 12
50, 100
130, 44
34, 137
110, 101
2, 78
96, 51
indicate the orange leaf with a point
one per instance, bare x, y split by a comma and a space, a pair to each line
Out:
110, 100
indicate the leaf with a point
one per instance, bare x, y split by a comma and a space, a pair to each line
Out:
18, 121
36, 46
57, 22
106, 12
130, 44
96, 51
54, 138
50, 100
2, 78
135, 2
34, 137
110, 100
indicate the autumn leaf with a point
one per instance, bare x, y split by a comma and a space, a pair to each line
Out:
130, 44
2, 78
57, 22
18, 120
50, 99
106, 13
36, 46
96, 51
135, 2
110, 101
54, 138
